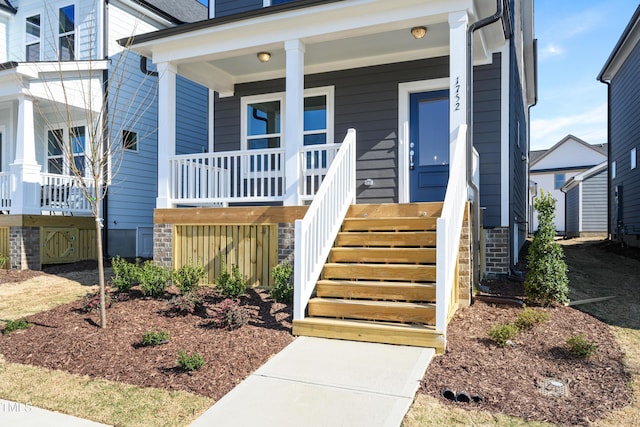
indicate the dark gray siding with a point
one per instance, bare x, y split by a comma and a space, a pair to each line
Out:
191, 117
365, 99
624, 135
594, 203
486, 137
229, 7
572, 211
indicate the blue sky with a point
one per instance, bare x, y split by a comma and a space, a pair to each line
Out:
575, 38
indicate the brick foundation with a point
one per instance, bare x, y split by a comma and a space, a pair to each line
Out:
24, 248
496, 251
163, 244
286, 238
464, 264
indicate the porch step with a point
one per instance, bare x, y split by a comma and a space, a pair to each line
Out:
384, 255
391, 272
390, 311
380, 332
389, 224
390, 291
388, 239
390, 210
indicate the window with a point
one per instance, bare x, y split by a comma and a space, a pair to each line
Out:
58, 141
264, 123
634, 158
266, 3
66, 33
32, 38
130, 140
558, 180
613, 169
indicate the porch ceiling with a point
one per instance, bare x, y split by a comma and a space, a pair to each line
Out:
340, 35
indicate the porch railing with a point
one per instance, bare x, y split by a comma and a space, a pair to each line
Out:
314, 165
64, 193
5, 191
316, 232
449, 227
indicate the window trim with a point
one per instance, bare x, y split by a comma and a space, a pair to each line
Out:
60, 35
614, 171
245, 101
137, 145
26, 35
66, 170
633, 158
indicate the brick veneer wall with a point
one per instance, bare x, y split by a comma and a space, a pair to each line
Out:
496, 251
163, 244
464, 264
24, 248
286, 242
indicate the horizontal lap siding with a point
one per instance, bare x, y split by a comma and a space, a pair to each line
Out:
572, 210
191, 117
625, 135
594, 203
229, 7
365, 99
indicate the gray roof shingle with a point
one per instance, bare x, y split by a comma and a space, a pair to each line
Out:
183, 11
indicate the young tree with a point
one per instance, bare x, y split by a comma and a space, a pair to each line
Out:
89, 105
547, 281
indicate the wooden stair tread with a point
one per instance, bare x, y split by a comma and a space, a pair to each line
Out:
386, 210
392, 311
390, 224
380, 332
387, 238
397, 272
383, 255
405, 291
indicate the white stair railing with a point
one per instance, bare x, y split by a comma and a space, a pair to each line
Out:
315, 161
5, 191
316, 232
449, 227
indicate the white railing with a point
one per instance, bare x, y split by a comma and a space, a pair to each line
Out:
314, 165
234, 176
316, 232
64, 193
449, 227
5, 191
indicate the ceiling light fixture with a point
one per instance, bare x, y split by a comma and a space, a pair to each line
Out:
418, 32
264, 56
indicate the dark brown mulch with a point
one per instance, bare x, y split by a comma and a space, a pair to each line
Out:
68, 339
512, 380
14, 276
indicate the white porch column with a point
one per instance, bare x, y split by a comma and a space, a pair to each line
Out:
25, 186
166, 130
294, 119
458, 69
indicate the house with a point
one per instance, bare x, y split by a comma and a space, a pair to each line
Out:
57, 59
621, 74
586, 203
366, 133
550, 169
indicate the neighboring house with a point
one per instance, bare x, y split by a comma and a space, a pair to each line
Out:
621, 73
551, 169
586, 203
48, 45
288, 80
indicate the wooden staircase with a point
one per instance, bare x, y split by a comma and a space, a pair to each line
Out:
378, 284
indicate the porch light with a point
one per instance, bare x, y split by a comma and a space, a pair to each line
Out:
418, 32
264, 56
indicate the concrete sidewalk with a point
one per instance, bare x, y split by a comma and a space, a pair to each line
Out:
14, 414
322, 382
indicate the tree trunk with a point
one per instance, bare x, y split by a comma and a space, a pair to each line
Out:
103, 310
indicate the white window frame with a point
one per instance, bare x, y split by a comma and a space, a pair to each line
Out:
614, 171
59, 35
66, 170
28, 43
634, 158
131, 150
245, 101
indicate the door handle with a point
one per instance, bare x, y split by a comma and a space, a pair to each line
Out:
411, 165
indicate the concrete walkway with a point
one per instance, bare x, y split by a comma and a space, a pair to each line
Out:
321, 382
14, 414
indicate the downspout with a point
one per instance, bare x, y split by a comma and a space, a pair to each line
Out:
609, 180
105, 123
474, 188
144, 69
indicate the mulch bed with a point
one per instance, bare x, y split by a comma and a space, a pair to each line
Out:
69, 339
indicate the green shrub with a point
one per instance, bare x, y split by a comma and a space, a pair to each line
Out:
579, 346
528, 318
153, 279
231, 285
155, 338
3, 261
186, 303
14, 325
546, 281
231, 315
91, 301
503, 332
190, 362
282, 290
125, 274
188, 277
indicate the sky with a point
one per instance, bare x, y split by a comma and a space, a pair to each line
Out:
575, 39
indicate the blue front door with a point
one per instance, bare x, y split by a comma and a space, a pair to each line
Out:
429, 145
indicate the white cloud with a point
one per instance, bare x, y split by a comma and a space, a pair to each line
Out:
551, 50
590, 125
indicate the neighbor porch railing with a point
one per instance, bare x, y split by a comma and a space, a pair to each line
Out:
316, 232
5, 191
449, 227
64, 193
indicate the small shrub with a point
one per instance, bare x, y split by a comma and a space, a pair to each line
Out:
155, 338
125, 274
528, 318
91, 301
230, 315
190, 362
153, 279
502, 333
3, 261
186, 303
282, 290
188, 277
231, 285
579, 346
14, 325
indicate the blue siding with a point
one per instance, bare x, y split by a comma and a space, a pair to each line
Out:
594, 203
229, 7
572, 211
192, 120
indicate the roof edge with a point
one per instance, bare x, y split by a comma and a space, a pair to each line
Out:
635, 19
